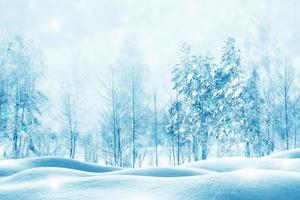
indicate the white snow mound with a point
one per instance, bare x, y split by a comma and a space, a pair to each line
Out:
293, 153
9, 167
163, 172
228, 164
232, 178
248, 184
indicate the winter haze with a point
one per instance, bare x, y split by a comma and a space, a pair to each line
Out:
149, 100
90, 34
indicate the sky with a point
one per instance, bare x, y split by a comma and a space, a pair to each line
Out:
89, 34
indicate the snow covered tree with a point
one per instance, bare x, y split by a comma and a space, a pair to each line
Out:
125, 122
26, 96
112, 119
91, 147
263, 51
70, 117
133, 90
201, 96
175, 128
71, 110
296, 119
250, 115
158, 125
193, 79
286, 80
179, 127
227, 90
4, 93
156, 137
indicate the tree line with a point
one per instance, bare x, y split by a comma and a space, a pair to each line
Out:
239, 104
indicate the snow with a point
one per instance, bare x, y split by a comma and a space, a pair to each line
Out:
228, 164
293, 153
163, 172
233, 178
9, 167
42, 173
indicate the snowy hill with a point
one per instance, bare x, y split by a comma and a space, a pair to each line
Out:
163, 172
239, 163
9, 167
219, 179
293, 153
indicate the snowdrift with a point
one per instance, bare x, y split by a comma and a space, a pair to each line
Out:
9, 167
232, 178
239, 185
293, 153
239, 163
163, 172
43, 173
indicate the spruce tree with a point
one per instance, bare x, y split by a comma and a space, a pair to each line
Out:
250, 115
227, 91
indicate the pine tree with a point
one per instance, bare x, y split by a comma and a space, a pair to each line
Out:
198, 93
193, 79
179, 125
202, 100
250, 115
176, 128
227, 90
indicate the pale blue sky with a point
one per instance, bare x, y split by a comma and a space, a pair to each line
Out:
95, 29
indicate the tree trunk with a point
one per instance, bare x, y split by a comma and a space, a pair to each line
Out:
247, 149
204, 147
16, 133
156, 134
195, 148
133, 121
204, 151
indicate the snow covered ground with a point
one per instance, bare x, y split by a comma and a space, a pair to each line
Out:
235, 178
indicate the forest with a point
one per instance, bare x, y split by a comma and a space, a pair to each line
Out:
242, 101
